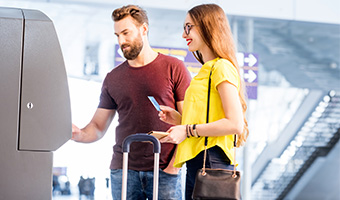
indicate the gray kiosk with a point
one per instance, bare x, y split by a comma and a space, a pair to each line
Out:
35, 114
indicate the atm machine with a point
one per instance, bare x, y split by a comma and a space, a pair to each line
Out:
35, 114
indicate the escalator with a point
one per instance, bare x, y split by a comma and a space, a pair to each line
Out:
312, 133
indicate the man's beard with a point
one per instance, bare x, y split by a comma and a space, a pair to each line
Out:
135, 48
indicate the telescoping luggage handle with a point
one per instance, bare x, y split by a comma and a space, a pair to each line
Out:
126, 149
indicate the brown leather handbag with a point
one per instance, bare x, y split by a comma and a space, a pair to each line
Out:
216, 183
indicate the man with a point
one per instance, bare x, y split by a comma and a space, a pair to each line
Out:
125, 90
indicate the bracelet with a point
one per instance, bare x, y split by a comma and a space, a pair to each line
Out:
195, 130
190, 130
187, 131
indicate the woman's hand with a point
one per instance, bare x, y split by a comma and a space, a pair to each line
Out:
176, 135
170, 115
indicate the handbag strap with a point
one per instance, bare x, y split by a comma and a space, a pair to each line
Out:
206, 138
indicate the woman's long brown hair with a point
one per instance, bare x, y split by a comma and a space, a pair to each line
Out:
214, 28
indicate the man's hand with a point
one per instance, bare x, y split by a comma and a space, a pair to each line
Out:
76, 132
170, 169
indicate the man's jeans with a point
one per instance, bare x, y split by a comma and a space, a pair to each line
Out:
140, 185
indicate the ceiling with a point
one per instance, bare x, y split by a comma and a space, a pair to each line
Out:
307, 54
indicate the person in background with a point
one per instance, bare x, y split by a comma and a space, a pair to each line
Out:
125, 90
208, 36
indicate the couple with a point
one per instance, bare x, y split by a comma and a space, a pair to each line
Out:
184, 101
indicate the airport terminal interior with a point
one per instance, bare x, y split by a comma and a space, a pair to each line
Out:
290, 65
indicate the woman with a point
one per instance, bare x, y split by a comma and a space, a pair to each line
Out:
208, 36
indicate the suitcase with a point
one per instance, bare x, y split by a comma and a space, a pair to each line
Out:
126, 149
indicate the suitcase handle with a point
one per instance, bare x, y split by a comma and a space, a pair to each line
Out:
141, 137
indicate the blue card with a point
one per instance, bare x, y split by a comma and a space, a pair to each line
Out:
154, 103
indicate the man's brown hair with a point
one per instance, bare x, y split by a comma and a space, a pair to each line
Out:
136, 12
